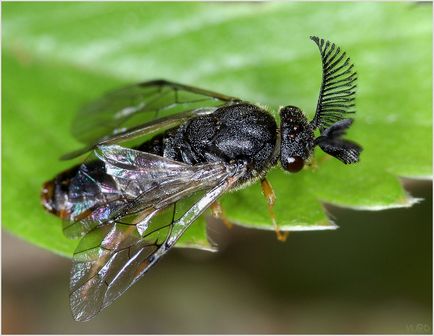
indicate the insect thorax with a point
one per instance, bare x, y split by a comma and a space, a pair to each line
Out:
237, 132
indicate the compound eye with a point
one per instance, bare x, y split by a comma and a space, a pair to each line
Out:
295, 164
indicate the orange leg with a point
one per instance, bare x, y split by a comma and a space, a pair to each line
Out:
271, 199
217, 212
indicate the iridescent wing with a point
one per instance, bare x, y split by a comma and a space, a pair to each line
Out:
338, 87
94, 197
112, 257
141, 109
115, 181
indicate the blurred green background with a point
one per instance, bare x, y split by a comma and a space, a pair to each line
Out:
373, 275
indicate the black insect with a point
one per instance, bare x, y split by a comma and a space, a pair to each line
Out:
182, 148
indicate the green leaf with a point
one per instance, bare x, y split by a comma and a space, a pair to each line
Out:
57, 56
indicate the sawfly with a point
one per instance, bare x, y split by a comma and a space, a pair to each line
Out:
161, 153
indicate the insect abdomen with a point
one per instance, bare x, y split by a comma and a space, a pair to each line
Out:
54, 194
87, 184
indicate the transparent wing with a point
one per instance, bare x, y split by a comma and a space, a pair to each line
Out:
112, 257
338, 88
142, 130
114, 116
93, 198
115, 181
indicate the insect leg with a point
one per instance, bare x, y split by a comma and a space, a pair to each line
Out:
218, 212
268, 192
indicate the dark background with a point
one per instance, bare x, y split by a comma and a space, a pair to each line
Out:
373, 275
